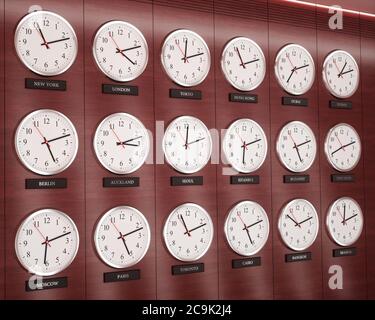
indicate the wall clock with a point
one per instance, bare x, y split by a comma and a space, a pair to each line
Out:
341, 74
247, 228
46, 242
46, 142
344, 221
188, 232
186, 58
122, 237
120, 51
245, 145
243, 64
343, 147
295, 69
121, 143
187, 144
296, 146
45, 43
298, 224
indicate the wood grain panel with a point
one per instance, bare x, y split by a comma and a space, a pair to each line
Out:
199, 285
20, 202
298, 280
97, 107
255, 282
2, 180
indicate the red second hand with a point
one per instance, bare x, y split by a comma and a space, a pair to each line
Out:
41, 234
178, 46
293, 67
337, 137
243, 222
118, 138
122, 236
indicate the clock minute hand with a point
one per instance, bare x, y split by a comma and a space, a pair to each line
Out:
50, 151
194, 55
128, 49
293, 70
248, 234
305, 220
130, 140
301, 144
54, 41
124, 242
131, 232
58, 237
58, 138
305, 66
45, 251
347, 72
42, 35
252, 225
297, 224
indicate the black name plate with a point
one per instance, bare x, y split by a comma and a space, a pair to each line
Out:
185, 94
342, 178
334, 104
244, 180
292, 101
119, 89
120, 182
187, 181
243, 98
187, 268
46, 183
45, 284
344, 252
246, 263
122, 276
297, 257
296, 179
45, 84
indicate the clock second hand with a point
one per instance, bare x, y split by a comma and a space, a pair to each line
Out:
245, 228
295, 147
44, 238
46, 143
117, 137
118, 50
122, 237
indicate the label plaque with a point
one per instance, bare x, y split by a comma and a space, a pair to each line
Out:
246, 263
121, 276
120, 182
120, 89
187, 268
185, 94
344, 252
187, 181
293, 101
334, 104
296, 178
297, 257
342, 178
45, 84
244, 180
45, 284
243, 98
46, 183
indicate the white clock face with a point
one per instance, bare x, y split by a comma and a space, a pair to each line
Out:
46, 242
341, 74
46, 43
295, 69
245, 145
243, 64
188, 232
296, 146
247, 228
121, 143
187, 144
186, 58
122, 237
120, 51
46, 142
343, 147
298, 224
345, 221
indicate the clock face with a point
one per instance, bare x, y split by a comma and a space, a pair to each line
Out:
187, 144
122, 237
46, 142
298, 224
188, 232
296, 146
295, 69
341, 74
46, 43
247, 228
245, 145
345, 221
120, 51
46, 242
121, 143
343, 147
243, 64
186, 58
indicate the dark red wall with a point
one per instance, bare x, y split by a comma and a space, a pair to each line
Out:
2, 180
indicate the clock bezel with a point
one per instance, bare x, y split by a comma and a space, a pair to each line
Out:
129, 25
264, 62
69, 26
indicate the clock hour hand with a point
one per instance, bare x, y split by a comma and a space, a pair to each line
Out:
127, 141
131, 232
252, 225
200, 226
194, 55
185, 54
125, 56
354, 215
54, 41
304, 66
187, 137
195, 141
239, 55
343, 219
342, 70
128, 49
58, 138
305, 220
301, 144
251, 61
255, 141
347, 72
296, 223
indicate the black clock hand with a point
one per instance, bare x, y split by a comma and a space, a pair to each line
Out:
50, 152
293, 70
301, 144
342, 147
183, 222
305, 66
347, 72
255, 141
128, 49
62, 137
195, 141
185, 54
243, 153
187, 137
305, 220
194, 55
239, 55
45, 250
125, 56
200, 226
124, 242
54, 41
251, 61
248, 234
351, 217
252, 225
343, 219
130, 140
299, 156
42, 35
297, 224
342, 70
131, 232
58, 237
